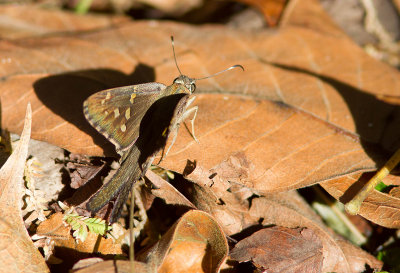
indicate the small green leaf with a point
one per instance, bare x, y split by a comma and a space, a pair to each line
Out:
82, 225
381, 186
83, 6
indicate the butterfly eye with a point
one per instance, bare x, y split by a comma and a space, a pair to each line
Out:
192, 87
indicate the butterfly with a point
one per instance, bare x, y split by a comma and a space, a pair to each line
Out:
138, 120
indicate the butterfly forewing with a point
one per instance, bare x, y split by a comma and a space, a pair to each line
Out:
116, 113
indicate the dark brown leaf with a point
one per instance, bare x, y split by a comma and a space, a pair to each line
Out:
81, 173
290, 210
279, 249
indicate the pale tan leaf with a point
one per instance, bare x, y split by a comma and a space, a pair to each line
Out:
18, 254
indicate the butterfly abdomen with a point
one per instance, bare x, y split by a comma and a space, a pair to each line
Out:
119, 185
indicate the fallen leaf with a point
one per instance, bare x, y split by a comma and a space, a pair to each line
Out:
167, 192
67, 248
380, 208
21, 21
18, 254
279, 249
195, 243
230, 212
286, 148
289, 210
271, 9
81, 173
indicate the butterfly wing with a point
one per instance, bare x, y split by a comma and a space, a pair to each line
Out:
160, 120
116, 113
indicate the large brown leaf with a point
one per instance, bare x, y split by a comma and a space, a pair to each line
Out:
29, 20
279, 249
289, 210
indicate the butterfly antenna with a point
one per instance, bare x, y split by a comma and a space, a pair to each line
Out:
173, 50
229, 68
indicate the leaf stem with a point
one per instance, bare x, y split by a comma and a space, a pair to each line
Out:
353, 206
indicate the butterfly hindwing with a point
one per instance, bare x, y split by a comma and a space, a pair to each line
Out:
116, 113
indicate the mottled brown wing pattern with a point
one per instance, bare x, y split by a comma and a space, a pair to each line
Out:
116, 113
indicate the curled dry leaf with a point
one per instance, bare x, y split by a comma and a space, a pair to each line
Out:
18, 254
195, 243
291, 211
166, 191
230, 211
279, 249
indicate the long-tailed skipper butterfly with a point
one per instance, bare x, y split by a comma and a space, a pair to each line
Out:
138, 119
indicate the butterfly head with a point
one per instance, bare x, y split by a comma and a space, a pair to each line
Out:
189, 83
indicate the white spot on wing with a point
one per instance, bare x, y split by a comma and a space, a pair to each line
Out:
116, 113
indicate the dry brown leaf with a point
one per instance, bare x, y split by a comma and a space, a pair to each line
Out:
67, 248
291, 211
18, 254
230, 212
272, 9
279, 249
265, 145
329, 104
235, 213
166, 191
310, 14
19, 21
378, 207
81, 173
195, 243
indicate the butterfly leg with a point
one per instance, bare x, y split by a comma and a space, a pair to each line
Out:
170, 146
188, 113
185, 116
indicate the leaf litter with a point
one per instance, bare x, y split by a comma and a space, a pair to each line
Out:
259, 137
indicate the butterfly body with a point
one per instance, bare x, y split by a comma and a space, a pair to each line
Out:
138, 120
